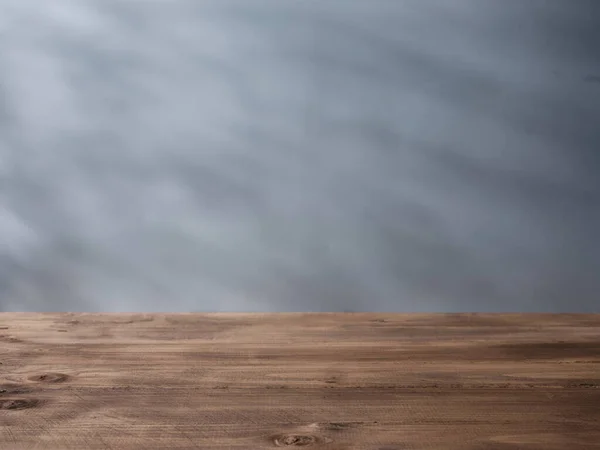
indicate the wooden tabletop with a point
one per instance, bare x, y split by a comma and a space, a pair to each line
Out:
327, 381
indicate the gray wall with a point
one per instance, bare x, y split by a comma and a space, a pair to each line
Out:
391, 155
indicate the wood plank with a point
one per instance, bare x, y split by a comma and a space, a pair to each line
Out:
330, 381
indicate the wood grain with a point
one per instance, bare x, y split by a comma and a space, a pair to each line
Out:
330, 381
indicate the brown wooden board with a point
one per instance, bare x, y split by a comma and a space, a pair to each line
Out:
327, 381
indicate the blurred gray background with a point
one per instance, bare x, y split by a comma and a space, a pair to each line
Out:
333, 155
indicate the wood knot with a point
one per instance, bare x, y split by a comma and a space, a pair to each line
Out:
340, 426
18, 403
7, 338
14, 389
49, 377
297, 440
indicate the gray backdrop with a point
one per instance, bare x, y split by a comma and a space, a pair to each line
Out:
392, 155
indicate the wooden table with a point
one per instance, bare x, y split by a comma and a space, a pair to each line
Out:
330, 381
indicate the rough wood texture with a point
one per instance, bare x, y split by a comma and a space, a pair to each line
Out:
331, 381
